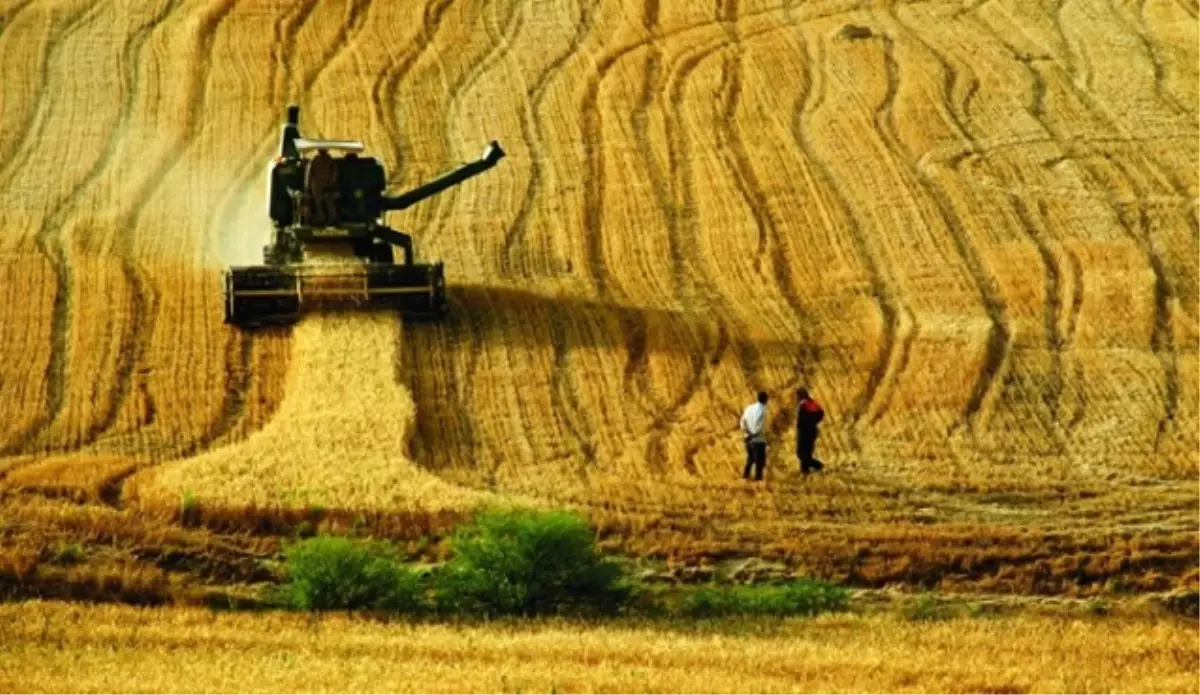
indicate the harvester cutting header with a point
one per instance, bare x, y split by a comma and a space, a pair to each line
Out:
337, 203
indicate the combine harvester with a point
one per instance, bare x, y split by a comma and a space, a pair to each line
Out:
344, 215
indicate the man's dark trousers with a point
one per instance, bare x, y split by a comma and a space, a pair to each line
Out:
805, 443
756, 457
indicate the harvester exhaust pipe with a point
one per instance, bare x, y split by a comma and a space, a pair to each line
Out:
291, 133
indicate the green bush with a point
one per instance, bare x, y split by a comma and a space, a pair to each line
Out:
522, 562
928, 608
329, 573
189, 509
68, 553
800, 597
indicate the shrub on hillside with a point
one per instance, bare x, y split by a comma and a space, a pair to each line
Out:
800, 597
522, 562
328, 573
929, 607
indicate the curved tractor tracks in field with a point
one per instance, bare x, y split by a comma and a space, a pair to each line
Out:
1131, 217
999, 342
688, 83
136, 336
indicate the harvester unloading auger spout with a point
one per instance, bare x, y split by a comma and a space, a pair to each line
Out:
338, 202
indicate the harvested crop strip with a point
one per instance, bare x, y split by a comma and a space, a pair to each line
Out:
339, 439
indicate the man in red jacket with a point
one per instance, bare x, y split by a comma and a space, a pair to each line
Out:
808, 415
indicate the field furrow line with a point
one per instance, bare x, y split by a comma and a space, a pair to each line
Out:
1119, 117
512, 262
999, 341
240, 347
1063, 273
638, 384
457, 399
13, 159
785, 239
634, 328
345, 36
64, 311
63, 315
665, 186
889, 380
485, 319
11, 13
472, 441
1139, 24
897, 317
49, 244
15, 140
566, 400
968, 99
969, 6
239, 355
1059, 317
658, 407
749, 357
801, 321
1136, 26
692, 283
501, 47
386, 91
749, 186
1071, 324
1061, 312
287, 29
694, 447
661, 182
136, 336
593, 193
1078, 63
593, 204
1065, 335
1160, 339
564, 395
591, 122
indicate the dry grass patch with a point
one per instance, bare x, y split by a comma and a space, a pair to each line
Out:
57, 548
78, 478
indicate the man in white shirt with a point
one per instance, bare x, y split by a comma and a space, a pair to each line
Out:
754, 432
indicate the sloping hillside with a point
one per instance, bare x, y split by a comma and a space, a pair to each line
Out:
969, 228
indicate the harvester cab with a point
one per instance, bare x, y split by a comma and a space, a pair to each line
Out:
329, 246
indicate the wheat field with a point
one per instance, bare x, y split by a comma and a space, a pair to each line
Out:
970, 228
52, 647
